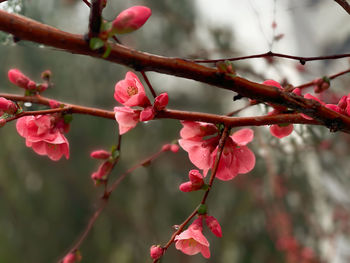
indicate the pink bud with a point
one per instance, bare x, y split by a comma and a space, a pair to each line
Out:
19, 79
186, 187
131, 19
174, 148
297, 91
196, 179
161, 101
2, 122
72, 258
166, 147
100, 154
213, 225
156, 251
54, 104
147, 114
7, 106
102, 171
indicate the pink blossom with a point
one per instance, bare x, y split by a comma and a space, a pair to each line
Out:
42, 135
236, 158
100, 154
2, 122
281, 131
131, 19
170, 147
156, 251
7, 106
19, 79
213, 225
199, 149
127, 118
130, 91
161, 101
272, 83
192, 241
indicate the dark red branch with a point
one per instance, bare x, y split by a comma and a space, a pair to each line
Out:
87, 3
28, 29
95, 18
344, 4
172, 114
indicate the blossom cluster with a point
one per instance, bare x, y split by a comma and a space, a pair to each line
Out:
131, 93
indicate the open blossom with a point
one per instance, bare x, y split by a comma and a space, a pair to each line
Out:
236, 157
131, 19
199, 149
130, 91
192, 241
43, 136
20, 80
127, 118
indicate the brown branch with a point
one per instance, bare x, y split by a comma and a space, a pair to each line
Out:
311, 83
148, 84
38, 112
95, 18
28, 29
87, 3
344, 4
172, 114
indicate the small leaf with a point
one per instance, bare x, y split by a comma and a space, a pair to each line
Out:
108, 51
96, 43
115, 154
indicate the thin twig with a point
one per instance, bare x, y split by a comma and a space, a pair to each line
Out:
105, 198
148, 84
302, 60
87, 3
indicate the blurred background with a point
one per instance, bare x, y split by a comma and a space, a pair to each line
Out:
294, 205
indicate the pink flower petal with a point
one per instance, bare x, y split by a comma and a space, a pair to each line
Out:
127, 118
243, 136
281, 131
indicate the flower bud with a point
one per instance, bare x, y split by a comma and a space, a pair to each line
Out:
161, 101
7, 106
147, 114
100, 154
156, 252
19, 79
131, 19
213, 225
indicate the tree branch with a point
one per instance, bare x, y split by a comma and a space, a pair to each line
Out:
344, 4
28, 29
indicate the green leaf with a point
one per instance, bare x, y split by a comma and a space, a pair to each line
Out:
108, 51
96, 43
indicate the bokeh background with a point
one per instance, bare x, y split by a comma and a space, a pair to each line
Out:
294, 205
